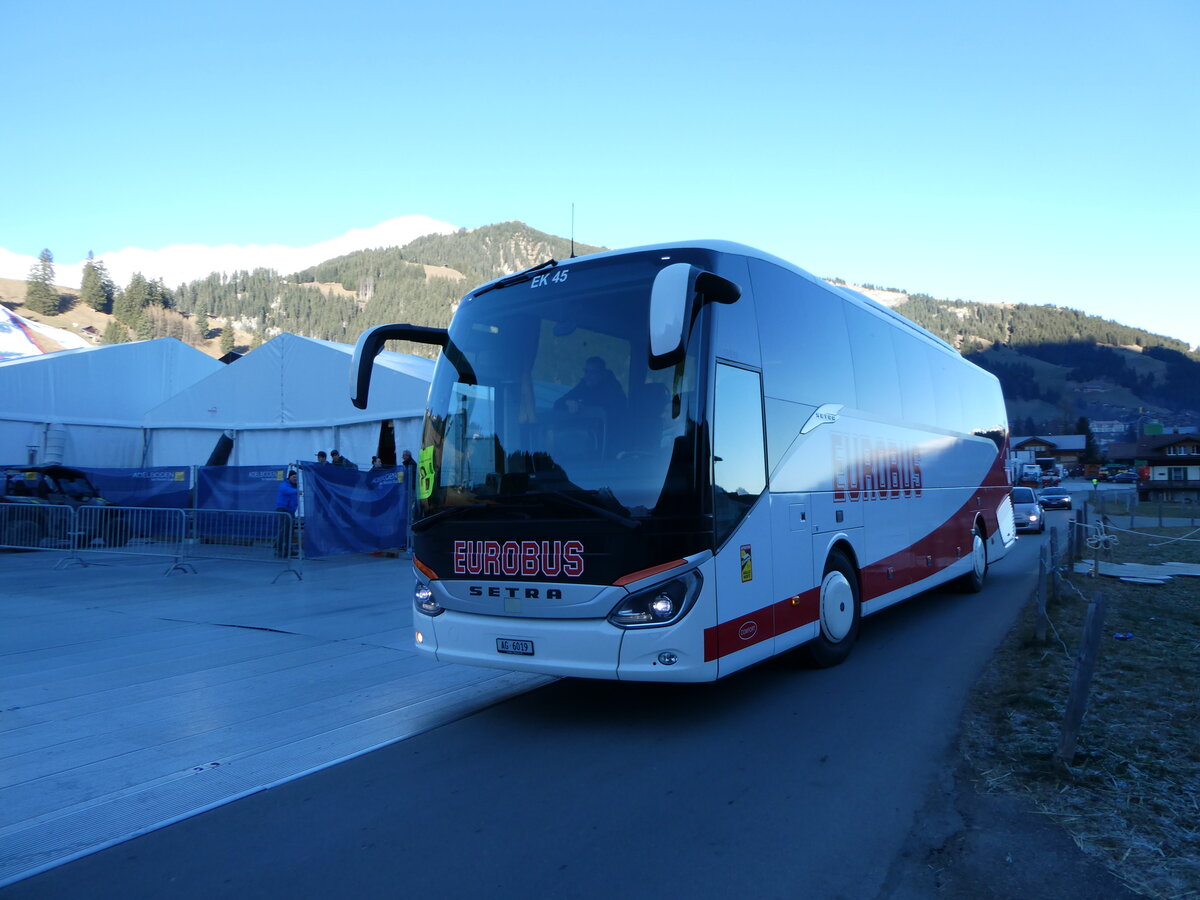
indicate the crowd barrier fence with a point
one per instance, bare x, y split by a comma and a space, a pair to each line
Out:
88, 534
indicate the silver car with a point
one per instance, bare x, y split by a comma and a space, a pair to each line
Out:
1027, 512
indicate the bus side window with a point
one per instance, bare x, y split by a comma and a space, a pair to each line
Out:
916, 381
802, 331
875, 376
947, 395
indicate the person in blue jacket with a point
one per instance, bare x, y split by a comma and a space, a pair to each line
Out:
287, 497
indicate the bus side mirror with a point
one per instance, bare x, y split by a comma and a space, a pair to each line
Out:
679, 290
371, 342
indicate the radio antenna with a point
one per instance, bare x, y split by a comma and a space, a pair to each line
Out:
572, 230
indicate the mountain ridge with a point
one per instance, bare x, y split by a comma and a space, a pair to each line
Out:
1053, 361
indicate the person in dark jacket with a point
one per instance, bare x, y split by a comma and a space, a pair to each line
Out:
598, 388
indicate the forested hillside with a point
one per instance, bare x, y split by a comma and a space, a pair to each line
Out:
419, 283
1055, 364
1087, 356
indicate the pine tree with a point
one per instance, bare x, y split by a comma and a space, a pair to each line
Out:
115, 333
129, 303
227, 337
97, 288
40, 295
200, 316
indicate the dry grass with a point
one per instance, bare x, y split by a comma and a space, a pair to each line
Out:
1131, 796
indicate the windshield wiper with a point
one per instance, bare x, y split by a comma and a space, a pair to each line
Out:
448, 513
523, 275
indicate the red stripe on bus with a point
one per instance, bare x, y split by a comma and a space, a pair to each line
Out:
939, 549
424, 569
646, 573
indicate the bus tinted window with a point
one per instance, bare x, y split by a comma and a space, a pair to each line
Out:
874, 362
916, 382
985, 403
802, 331
946, 372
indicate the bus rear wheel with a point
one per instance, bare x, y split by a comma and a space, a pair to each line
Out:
839, 613
972, 582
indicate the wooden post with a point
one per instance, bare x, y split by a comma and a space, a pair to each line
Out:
1085, 664
1054, 564
1040, 628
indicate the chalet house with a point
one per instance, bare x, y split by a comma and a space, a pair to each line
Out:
1168, 463
1067, 449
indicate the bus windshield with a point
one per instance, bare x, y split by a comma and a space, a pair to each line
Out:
544, 406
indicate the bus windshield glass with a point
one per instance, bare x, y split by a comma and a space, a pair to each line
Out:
544, 406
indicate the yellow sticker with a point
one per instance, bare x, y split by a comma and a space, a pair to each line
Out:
425, 473
747, 563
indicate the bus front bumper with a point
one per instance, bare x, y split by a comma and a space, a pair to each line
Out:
579, 648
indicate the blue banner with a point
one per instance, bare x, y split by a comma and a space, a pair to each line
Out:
165, 487
347, 511
238, 487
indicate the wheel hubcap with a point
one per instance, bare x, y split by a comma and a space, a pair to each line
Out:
837, 606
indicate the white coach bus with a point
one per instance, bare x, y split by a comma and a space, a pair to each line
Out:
671, 462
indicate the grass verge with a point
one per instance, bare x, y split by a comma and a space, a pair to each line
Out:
1131, 795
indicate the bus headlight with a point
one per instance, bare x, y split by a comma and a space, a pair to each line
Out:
662, 604
425, 602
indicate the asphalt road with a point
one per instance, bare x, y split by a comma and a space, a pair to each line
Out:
778, 782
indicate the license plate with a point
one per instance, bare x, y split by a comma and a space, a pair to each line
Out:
508, 645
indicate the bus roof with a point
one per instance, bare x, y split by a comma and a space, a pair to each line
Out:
734, 248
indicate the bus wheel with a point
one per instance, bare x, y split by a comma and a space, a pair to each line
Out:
840, 613
972, 582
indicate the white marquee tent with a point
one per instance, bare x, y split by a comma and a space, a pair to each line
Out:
285, 401
85, 407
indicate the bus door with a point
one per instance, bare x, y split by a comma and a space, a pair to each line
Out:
745, 629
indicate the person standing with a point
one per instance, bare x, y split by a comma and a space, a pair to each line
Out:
287, 498
410, 491
322, 458
339, 460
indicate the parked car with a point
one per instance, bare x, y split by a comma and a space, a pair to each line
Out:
28, 495
1054, 498
1124, 478
1027, 512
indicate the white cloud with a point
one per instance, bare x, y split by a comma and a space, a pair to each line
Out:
179, 263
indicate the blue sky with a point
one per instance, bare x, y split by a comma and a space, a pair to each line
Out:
1026, 151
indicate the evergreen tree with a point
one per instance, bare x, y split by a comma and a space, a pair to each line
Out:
200, 316
227, 337
129, 303
115, 333
1091, 451
40, 295
97, 288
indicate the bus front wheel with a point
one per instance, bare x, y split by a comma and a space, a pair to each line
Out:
839, 612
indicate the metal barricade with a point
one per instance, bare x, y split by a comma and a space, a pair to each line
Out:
143, 531
243, 534
37, 526
89, 533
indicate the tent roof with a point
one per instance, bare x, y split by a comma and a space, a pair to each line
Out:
110, 385
296, 382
